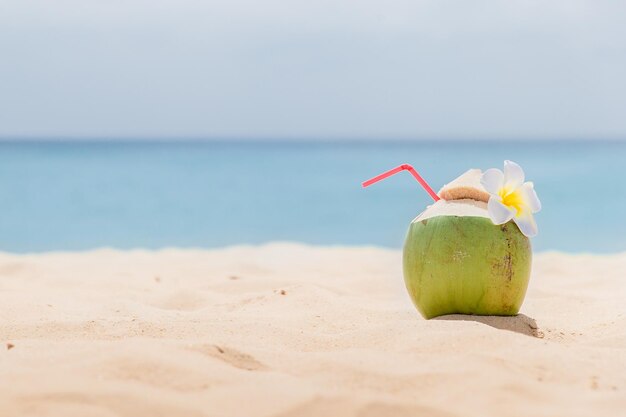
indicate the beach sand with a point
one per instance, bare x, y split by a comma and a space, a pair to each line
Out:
291, 330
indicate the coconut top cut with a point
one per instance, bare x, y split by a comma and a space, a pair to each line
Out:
465, 207
467, 186
465, 196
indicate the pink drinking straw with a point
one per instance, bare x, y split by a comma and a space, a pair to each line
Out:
403, 167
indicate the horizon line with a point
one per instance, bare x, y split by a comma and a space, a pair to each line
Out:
300, 140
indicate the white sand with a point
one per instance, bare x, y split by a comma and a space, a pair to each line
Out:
209, 333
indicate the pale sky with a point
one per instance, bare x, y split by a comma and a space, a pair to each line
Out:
313, 69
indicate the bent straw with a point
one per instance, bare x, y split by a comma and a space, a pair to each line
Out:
403, 167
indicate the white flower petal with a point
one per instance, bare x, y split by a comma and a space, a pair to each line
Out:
498, 212
513, 175
530, 197
492, 180
526, 223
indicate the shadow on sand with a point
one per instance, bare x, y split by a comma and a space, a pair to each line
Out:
520, 324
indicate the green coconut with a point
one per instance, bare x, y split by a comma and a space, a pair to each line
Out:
457, 261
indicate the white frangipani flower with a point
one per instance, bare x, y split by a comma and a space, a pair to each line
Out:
511, 197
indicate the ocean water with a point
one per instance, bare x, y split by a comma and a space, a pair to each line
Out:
76, 196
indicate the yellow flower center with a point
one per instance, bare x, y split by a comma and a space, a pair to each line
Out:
512, 199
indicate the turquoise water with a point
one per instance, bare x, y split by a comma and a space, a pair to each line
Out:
75, 196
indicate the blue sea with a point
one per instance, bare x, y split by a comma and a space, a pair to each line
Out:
81, 195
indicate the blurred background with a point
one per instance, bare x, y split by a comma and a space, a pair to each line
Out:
187, 123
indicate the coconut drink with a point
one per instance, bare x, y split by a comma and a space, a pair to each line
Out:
470, 252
